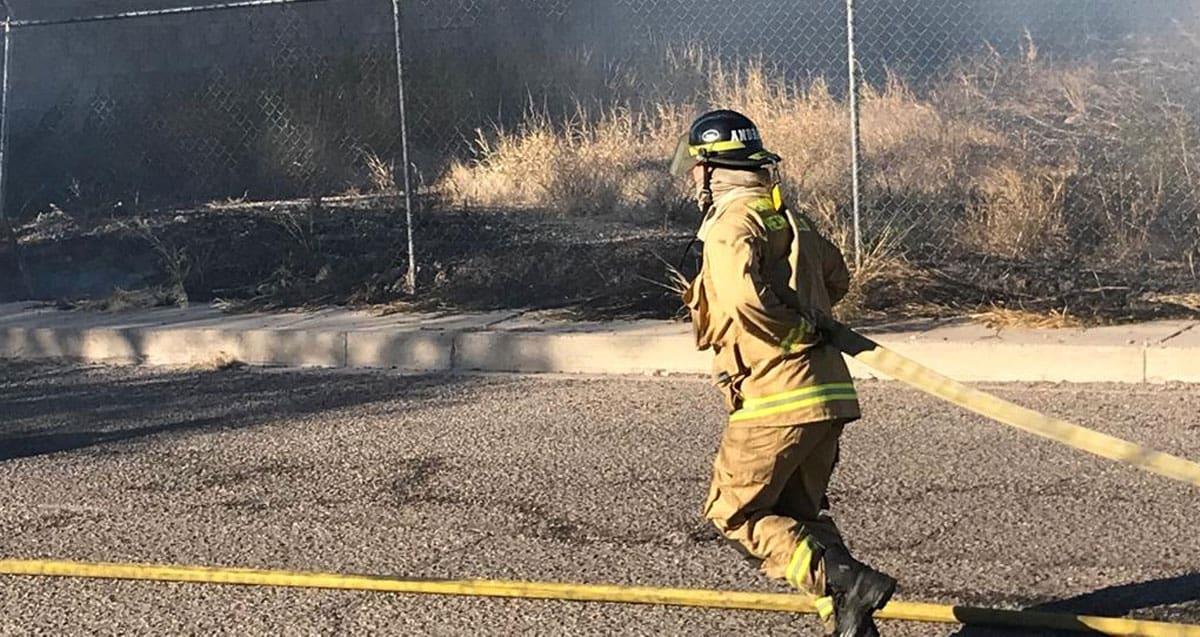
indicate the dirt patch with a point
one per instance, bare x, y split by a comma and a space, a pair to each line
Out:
351, 251
354, 252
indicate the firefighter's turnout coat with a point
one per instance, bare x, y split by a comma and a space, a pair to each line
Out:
765, 269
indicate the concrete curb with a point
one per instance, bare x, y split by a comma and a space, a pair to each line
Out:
1156, 353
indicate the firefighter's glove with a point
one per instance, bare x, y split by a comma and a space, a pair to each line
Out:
801, 335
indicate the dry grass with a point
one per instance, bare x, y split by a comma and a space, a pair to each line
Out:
1018, 159
601, 162
1184, 300
1018, 215
219, 362
591, 164
175, 260
998, 318
381, 173
122, 300
882, 263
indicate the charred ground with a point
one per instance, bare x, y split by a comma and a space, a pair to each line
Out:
353, 251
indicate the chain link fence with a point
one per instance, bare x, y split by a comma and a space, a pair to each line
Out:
262, 102
1041, 155
145, 123
1038, 155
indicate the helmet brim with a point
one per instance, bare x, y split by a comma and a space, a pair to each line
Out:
758, 160
683, 161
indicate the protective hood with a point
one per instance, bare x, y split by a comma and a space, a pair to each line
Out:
729, 185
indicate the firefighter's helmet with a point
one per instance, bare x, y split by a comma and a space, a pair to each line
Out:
724, 139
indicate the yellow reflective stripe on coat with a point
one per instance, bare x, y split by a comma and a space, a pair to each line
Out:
792, 400
750, 403
762, 206
777, 197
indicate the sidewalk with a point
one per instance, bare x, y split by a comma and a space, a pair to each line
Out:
511, 342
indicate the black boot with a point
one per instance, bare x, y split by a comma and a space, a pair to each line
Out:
858, 591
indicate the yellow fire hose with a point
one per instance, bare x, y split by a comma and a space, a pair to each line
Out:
905, 370
728, 600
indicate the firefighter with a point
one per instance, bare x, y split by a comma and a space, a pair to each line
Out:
766, 279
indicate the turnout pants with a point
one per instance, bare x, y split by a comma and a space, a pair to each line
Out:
768, 495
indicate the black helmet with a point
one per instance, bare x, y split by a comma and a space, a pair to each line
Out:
724, 138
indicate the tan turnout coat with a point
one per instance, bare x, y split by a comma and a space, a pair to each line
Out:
763, 267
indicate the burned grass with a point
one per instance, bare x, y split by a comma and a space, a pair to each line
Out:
353, 252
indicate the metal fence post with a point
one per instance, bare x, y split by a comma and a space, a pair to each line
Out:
411, 281
5, 226
855, 150
4, 112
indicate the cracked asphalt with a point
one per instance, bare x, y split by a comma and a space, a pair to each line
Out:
550, 478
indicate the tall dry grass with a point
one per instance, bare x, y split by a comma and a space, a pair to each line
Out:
590, 164
1018, 214
1016, 157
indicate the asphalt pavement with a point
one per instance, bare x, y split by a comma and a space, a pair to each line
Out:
550, 478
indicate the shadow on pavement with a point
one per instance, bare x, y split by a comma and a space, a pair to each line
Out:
1112, 601
42, 444
46, 411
